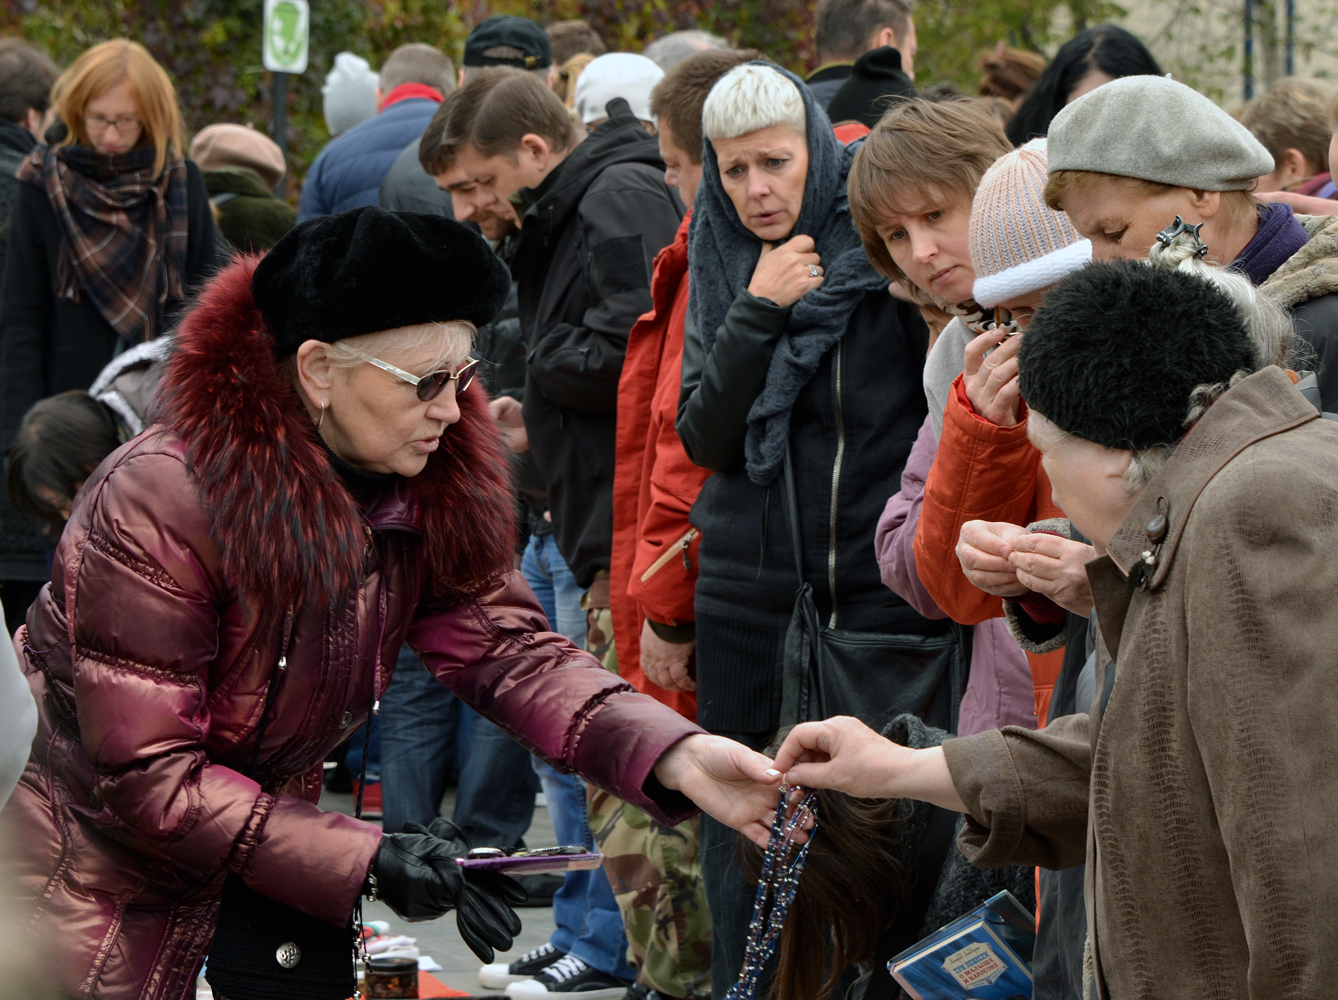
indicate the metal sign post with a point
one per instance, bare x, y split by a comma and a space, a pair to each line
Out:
287, 34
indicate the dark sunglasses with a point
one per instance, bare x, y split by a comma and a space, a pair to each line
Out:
429, 386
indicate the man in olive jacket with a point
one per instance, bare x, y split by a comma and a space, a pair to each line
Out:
594, 213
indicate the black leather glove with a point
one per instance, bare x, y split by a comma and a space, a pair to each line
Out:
418, 878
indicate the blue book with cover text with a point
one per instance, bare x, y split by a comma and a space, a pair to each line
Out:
984, 955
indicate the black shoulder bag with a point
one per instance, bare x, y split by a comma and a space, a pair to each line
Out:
873, 676
266, 950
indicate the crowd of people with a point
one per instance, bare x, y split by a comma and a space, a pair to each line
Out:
663, 431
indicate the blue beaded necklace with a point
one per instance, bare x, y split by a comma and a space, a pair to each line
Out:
776, 886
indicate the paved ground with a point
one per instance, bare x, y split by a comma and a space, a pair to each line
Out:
439, 938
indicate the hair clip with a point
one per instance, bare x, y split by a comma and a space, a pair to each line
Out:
1167, 236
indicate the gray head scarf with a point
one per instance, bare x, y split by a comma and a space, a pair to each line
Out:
723, 254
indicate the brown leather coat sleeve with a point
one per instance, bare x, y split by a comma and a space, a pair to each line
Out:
497, 655
1026, 793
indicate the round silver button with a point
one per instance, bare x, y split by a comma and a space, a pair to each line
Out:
346, 720
288, 955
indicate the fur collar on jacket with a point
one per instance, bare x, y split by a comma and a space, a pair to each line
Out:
290, 533
1310, 272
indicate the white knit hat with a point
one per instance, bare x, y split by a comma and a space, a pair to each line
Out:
1019, 243
349, 93
618, 74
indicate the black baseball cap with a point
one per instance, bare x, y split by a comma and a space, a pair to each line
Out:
510, 32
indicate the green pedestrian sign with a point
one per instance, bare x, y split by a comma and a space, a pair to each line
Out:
287, 32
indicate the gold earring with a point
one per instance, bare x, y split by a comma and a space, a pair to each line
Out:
322, 419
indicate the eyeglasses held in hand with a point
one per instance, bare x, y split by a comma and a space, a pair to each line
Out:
430, 385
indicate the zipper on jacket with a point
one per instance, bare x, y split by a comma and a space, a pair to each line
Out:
836, 480
679, 546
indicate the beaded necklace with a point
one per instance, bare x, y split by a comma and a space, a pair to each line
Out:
776, 887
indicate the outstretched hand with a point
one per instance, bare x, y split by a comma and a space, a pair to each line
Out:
736, 785
847, 756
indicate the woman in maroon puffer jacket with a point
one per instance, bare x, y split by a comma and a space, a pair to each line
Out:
253, 562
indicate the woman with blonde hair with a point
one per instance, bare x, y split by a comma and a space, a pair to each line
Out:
110, 231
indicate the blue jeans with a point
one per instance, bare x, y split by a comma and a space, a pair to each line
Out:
557, 590
589, 923
424, 729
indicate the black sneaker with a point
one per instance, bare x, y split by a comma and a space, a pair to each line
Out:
501, 975
569, 977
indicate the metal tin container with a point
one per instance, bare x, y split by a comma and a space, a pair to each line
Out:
392, 976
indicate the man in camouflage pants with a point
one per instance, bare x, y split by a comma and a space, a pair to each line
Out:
655, 873
657, 880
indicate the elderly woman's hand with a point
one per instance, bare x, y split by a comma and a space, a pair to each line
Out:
784, 274
1054, 566
847, 756
991, 381
726, 779
983, 549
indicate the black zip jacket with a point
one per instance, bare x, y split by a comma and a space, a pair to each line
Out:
49, 345
583, 266
850, 433
22, 544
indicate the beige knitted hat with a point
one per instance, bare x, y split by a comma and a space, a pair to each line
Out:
1018, 243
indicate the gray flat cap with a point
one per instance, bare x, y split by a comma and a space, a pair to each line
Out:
1158, 130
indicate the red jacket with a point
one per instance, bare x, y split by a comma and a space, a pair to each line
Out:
985, 472
654, 566
199, 556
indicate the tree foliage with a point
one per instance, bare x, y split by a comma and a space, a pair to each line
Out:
954, 33
211, 48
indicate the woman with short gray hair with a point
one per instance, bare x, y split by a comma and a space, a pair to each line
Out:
793, 348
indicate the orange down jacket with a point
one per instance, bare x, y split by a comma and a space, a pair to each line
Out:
989, 473
654, 567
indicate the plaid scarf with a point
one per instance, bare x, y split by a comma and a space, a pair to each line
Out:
123, 233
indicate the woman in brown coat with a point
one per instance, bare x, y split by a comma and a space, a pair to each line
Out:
227, 603
1201, 787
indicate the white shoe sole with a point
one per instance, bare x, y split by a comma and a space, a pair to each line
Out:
613, 993
495, 977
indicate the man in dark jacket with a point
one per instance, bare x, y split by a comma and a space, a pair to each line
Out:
26, 76
497, 41
846, 29
349, 170
594, 214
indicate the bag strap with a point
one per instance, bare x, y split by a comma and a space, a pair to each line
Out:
792, 515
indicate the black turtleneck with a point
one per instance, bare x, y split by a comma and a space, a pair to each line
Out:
365, 486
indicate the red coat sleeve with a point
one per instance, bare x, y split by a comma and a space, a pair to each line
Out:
982, 472
664, 569
497, 655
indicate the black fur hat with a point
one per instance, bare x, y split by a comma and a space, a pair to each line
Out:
368, 270
1115, 351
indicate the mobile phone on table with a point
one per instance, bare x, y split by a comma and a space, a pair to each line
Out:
573, 857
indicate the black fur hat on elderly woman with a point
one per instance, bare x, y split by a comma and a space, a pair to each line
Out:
1118, 349
368, 270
